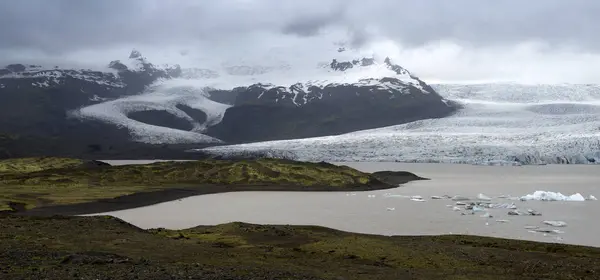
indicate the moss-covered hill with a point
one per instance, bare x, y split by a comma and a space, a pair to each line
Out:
33, 182
107, 248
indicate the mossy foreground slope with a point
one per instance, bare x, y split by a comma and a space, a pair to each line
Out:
35, 182
103, 247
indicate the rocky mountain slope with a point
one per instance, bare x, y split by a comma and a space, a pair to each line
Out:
134, 103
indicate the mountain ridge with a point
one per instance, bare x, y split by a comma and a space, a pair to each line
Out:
210, 106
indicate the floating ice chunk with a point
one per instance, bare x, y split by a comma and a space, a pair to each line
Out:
371, 196
502, 221
483, 197
478, 209
552, 196
436, 197
530, 212
504, 196
456, 208
503, 206
486, 215
418, 199
591, 197
555, 223
546, 230
460, 198
390, 208
460, 203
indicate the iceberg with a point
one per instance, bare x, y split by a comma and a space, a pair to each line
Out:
483, 197
552, 196
555, 223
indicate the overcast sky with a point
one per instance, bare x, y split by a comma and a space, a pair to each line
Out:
439, 40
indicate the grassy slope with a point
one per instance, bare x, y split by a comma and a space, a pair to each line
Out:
53, 181
99, 247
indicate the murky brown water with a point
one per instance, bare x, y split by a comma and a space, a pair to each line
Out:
361, 212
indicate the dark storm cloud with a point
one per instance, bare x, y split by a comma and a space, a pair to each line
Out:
453, 40
63, 25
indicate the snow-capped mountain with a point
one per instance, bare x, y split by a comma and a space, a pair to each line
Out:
227, 103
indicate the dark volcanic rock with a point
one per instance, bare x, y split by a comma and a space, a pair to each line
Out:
161, 118
333, 110
197, 115
36, 105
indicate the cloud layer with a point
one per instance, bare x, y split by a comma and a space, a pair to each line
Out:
460, 40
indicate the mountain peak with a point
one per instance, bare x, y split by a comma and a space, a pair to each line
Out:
397, 68
135, 54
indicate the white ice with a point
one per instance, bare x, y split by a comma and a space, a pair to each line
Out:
164, 96
552, 196
499, 124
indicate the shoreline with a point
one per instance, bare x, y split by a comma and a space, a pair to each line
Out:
110, 248
142, 199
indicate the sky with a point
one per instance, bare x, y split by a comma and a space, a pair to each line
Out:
533, 41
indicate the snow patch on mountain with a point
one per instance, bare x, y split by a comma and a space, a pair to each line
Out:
500, 124
44, 78
320, 75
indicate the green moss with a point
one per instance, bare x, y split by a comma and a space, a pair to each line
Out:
27, 165
52, 181
96, 245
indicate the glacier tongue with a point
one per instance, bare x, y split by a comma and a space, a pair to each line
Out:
501, 124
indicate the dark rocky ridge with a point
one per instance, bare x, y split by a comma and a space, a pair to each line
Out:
161, 118
264, 112
34, 106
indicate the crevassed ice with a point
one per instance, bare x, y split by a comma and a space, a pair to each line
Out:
500, 124
163, 97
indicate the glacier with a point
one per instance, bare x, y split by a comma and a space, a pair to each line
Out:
193, 86
500, 124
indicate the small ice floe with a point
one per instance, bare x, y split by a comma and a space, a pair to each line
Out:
502, 206
371, 196
454, 208
486, 215
460, 198
483, 197
555, 223
543, 230
478, 208
390, 209
502, 221
436, 197
552, 196
503, 196
350, 194
417, 198
591, 197
529, 212
460, 203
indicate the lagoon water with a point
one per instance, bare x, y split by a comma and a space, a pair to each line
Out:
376, 212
